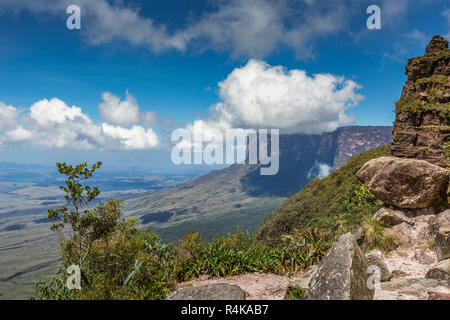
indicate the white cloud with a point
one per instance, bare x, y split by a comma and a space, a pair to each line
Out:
8, 116
118, 112
55, 112
125, 112
252, 28
258, 95
52, 123
19, 134
136, 138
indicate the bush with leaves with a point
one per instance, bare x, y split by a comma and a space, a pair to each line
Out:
116, 261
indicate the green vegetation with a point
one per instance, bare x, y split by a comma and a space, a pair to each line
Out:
375, 236
295, 293
435, 56
119, 262
447, 150
433, 99
414, 104
333, 206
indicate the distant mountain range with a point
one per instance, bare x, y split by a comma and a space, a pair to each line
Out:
239, 195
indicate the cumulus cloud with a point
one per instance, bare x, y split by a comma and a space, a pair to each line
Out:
258, 95
8, 116
54, 124
119, 112
55, 112
125, 112
136, 138
19, 134
252, 28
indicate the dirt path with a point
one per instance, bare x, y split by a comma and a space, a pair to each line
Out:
409, 264
258, 286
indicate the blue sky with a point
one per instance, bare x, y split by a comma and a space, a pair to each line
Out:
171, 55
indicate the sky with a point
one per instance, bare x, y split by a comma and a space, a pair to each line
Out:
116, 89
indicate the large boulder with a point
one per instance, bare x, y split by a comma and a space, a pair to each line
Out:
443, 243
406, 183
441, 271
342, 273
220, 291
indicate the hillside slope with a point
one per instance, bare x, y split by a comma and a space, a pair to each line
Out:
239, 195
324, 203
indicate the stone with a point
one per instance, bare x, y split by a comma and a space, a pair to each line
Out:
303, 281
420, 283
443, 242
342, 273
441, 271
432, 295
392, 217
423, 258
375, 258
405, 183
218, 291
438, 221
360, 235
398, 274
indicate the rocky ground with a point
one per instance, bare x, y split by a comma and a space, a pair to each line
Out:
409, 264
257, 286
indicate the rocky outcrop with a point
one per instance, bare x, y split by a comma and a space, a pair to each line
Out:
375, 258
443, 243
342, 273
392, 217
406, 183
218, 291
440, 271
438, 221
422, 122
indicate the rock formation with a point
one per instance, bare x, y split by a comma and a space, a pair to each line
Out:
342, 273
413, 182
422, 124
406, 183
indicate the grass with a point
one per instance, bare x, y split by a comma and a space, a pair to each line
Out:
138, 265
376, 237
295, 293
334, 205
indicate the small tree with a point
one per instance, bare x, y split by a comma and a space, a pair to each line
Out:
77, 197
